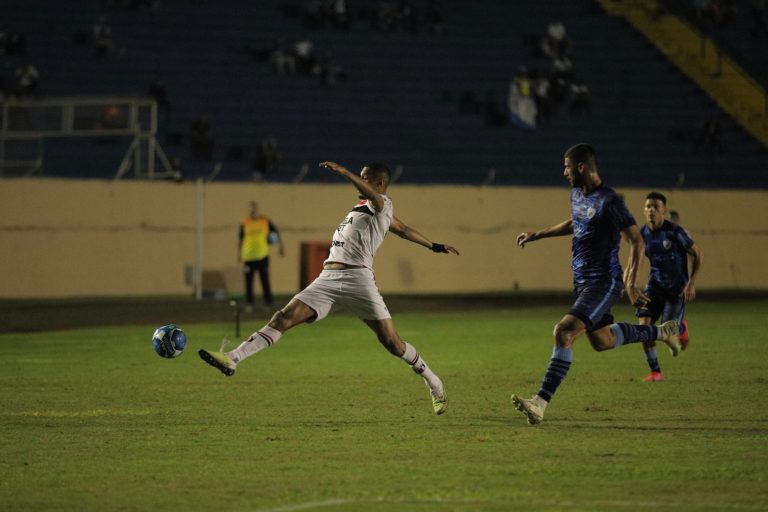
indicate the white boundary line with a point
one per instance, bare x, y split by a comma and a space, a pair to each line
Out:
309, 505
566, 505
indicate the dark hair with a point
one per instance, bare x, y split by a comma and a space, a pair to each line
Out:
581, 153
380, 169
657, 195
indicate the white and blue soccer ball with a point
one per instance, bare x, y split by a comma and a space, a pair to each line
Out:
169, 341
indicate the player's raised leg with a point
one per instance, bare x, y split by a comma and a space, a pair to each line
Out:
390, 339
623, 333
295, 313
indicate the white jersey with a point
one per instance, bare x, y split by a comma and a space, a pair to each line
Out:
359, 236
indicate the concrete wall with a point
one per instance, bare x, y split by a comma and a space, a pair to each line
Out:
64, 238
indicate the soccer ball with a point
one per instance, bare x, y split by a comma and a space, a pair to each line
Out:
169, 341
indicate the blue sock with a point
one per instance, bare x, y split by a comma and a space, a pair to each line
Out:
630, 333
556, 371
653, 360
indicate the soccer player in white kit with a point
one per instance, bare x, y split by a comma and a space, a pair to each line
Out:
347, 280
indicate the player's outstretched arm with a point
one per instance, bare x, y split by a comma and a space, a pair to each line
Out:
636, 249
365, 189
696, 258
402, 230
562, 229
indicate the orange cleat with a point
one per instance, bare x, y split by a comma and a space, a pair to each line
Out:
684, 336
653, 377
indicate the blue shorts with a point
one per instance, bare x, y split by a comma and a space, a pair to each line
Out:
664, 305
594, 301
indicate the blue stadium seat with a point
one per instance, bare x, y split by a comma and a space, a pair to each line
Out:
400, 101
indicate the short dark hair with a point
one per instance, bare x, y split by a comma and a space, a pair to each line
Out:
581, 153
657, 195
380, 169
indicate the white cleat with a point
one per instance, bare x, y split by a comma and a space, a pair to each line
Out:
533, 412
220, 359
439, 402
439, 398
668, 334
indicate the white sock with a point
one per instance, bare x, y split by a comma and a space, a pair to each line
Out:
419, 366
261, 339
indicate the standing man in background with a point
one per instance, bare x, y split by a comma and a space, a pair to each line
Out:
257, 233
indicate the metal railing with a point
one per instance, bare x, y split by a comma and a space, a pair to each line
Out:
28, 122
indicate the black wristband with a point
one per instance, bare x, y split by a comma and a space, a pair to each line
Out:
437, 247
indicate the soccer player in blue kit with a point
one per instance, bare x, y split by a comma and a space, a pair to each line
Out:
669, 287
598, 220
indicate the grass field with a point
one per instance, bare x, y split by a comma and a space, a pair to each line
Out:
93, 420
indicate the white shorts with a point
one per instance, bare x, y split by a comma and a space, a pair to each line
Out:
353, 289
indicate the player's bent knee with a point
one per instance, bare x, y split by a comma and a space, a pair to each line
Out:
281, 321
564, 336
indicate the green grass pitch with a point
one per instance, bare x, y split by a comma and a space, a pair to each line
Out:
93, 420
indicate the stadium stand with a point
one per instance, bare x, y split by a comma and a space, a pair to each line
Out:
739, 28
396, 96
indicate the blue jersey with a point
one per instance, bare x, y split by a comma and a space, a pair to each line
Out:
667, 250
598, 219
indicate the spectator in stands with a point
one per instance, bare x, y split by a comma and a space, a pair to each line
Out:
27, 80
543, 101
158, 92
674, 217
719, 12
101, 38
12, 43
562, 67
202, 142
558, 90
330, 72
434, 16
387, 16
340, 14
580, 102
520, 102
303, 50
407, 16
759, 25
268, 156
283, 59
313, 14
176, 174
555, 44
523, 82
709, 138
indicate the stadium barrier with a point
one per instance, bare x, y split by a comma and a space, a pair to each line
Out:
70, 238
